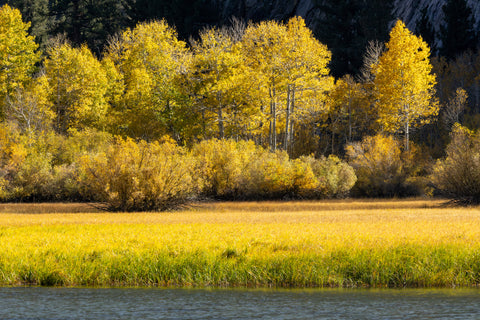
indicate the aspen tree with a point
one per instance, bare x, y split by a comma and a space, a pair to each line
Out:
219, 70
263, 44
404, 84
149, 59
290, 66
18, 54
78, 87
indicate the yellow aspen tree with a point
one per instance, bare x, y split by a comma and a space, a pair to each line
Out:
307, 74
291, 68
404, 83
263, 45
18, 54
350, 114
78, 87
150, 59
218, 66
30, 108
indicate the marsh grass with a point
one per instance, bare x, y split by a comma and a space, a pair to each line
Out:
414, 243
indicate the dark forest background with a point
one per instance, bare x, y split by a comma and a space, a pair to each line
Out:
345, 26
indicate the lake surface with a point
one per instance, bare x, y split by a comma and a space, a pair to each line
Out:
85, 303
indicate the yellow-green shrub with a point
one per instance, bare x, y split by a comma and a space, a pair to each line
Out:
334, 177
241, 170
25, 165
141, 176
458, 175
220, 165
383, 168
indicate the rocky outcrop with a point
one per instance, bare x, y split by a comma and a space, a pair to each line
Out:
407, 10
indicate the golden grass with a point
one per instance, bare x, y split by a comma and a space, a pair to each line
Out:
327, 243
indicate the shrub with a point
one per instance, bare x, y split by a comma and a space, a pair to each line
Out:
25, 165
242, 170
274, 175
335, 178
220, 165
458, 174
384, 169
139, 176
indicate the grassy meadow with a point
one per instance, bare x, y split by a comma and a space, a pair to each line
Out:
414, 243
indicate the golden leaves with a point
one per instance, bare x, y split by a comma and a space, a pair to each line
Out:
403, 81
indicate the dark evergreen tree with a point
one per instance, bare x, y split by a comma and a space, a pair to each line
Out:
375, 19
348, 26
187, 16
426, 30
89, 21
458, 33
340, 31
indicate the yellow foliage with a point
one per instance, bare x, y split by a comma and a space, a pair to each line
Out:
139, 176
425, 244
289, 74
78, 87
458, 174
18, 54
149, 60
404, 83
241, 170
383, 169
30, 107
220, 80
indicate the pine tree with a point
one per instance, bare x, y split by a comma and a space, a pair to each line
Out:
347, 27
458, 33
425, 29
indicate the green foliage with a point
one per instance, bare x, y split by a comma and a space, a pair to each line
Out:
346, 27
458, 174
383, 169
139, 176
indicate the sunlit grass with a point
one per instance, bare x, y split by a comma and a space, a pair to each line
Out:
299, 244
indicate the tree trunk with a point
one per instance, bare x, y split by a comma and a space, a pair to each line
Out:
221, 128
273, 118
407, 133
287, 120
292, 109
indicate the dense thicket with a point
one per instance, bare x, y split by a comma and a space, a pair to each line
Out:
268, 83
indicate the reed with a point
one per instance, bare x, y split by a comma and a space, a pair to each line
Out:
281, 244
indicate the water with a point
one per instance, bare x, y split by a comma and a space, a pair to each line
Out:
81, 303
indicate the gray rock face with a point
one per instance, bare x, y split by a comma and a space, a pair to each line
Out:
406, 10
409, 11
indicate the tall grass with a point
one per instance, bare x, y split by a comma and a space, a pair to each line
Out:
416, 245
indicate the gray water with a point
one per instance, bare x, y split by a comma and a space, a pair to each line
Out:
81, 303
